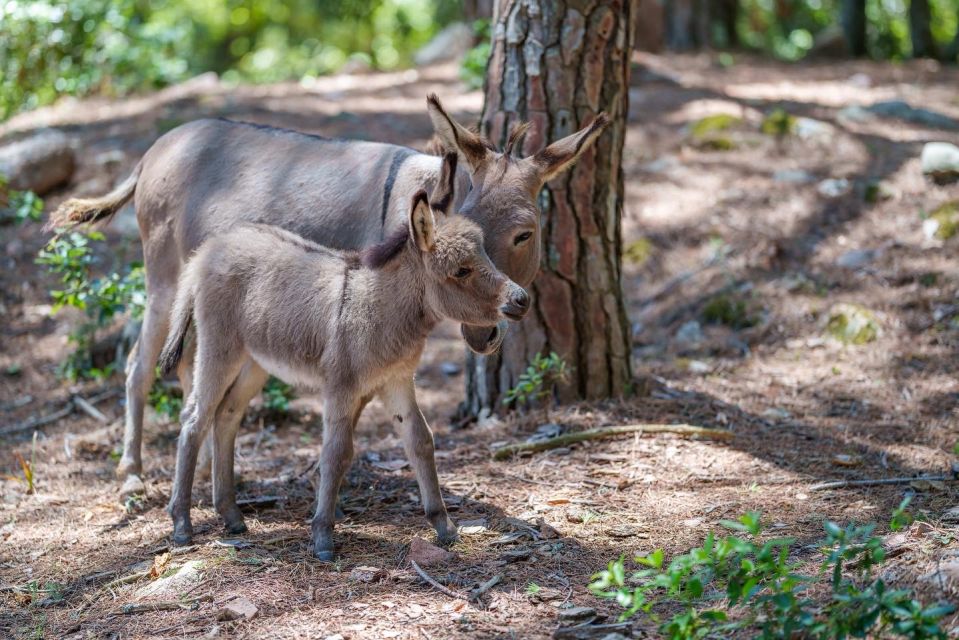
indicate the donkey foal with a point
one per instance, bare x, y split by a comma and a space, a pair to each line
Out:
351, 325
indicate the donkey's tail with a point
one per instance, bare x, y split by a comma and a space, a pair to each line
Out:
180, 320
80, 210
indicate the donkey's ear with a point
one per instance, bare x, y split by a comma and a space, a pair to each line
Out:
472, 150
422, 226
445, 191
559, 156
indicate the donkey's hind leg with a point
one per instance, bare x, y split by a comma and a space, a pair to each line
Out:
228, 418
214, 376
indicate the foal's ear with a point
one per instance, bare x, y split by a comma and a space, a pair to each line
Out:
445, 192
471, 148
422, 226
560, 156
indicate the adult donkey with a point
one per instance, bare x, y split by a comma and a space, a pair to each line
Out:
205, 177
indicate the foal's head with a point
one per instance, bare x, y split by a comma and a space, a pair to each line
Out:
460, 280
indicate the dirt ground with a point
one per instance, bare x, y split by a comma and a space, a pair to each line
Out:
750, 224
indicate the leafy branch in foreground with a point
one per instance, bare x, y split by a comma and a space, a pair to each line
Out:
761, 589
71, 256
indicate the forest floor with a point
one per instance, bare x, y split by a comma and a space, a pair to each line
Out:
779, 229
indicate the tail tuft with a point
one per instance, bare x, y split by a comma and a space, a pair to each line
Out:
82, 210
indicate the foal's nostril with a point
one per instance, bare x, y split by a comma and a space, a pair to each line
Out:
521, 299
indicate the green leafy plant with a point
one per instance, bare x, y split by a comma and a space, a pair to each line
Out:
276, 396
19, 206
539, 381
71, 256
165, 400
763, 591
473, 65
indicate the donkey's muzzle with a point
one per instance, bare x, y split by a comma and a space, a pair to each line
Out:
484, 340
517, 304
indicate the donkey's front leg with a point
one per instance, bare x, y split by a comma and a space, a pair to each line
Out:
400, 399
339, 411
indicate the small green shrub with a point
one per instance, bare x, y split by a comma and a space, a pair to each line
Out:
473, 66
19, 206
779, 123
638, 251
164, 400
947, 220
729, 311
71, 256
276, 396
539, 381
764, 590
852, 324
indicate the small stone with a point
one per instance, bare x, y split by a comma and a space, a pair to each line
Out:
426, 554
689, 336
793, 176
663, 164
846, 460
698, 366
857, 258
777, 413
237, 609
185, 577
623, 531
852, 324
833, 187
368, 574
548, 531
854, 113
951, 516
808, 129
516, 555
940, 161
576, 613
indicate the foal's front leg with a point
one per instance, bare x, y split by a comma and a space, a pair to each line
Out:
400, 399
340, 408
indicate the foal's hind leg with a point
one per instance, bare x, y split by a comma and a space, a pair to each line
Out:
400, 398
228, 418
215, 372
141, 372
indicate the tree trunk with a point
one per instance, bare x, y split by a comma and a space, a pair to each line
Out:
681, 32
649, 27
557, 64
923, 46
854, 26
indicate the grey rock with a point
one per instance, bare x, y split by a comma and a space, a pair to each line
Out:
940, 161
237, 609
793, 176
902, 110
808, 129
855, 113
690, 335
38, 163
833, 187
857, 258
663, 164
449, 44
576, 613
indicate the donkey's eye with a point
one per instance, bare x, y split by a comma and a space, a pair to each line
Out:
523, 237
462, 272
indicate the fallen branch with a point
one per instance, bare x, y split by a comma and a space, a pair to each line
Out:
86, 407
486, 586
608, 432
436, 585
875, 482
146, 607
133, 577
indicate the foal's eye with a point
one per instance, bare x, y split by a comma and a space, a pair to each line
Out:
523, 237
462, 272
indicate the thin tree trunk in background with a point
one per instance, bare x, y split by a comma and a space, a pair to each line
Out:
477, 9
853, 20
680, 30
649, 34
556, 64
923, 46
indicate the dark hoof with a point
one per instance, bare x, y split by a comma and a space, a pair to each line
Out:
448, 538
182, 539
338, 514
236, 527
324, 556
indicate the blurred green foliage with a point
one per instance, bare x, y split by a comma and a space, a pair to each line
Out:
788, 29
52, 48
473, 66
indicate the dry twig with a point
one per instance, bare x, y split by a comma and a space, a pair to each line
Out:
608, 432
875, 482
435, 584
486, 586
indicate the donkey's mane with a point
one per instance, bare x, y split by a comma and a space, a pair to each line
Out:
379, 255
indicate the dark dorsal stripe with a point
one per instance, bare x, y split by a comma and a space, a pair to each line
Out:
400, 155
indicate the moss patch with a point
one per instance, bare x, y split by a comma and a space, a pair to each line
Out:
852, 324
707, 133
729, 311
638, 251
779, 123
947, 217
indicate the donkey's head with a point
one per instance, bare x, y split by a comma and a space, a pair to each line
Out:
502, 200
459, 278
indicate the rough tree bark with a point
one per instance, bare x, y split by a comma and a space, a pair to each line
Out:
557, 64
853, 18
923, 46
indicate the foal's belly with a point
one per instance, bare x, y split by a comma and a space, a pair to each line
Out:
290, 373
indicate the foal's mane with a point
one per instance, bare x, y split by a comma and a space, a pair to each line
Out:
381, 254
